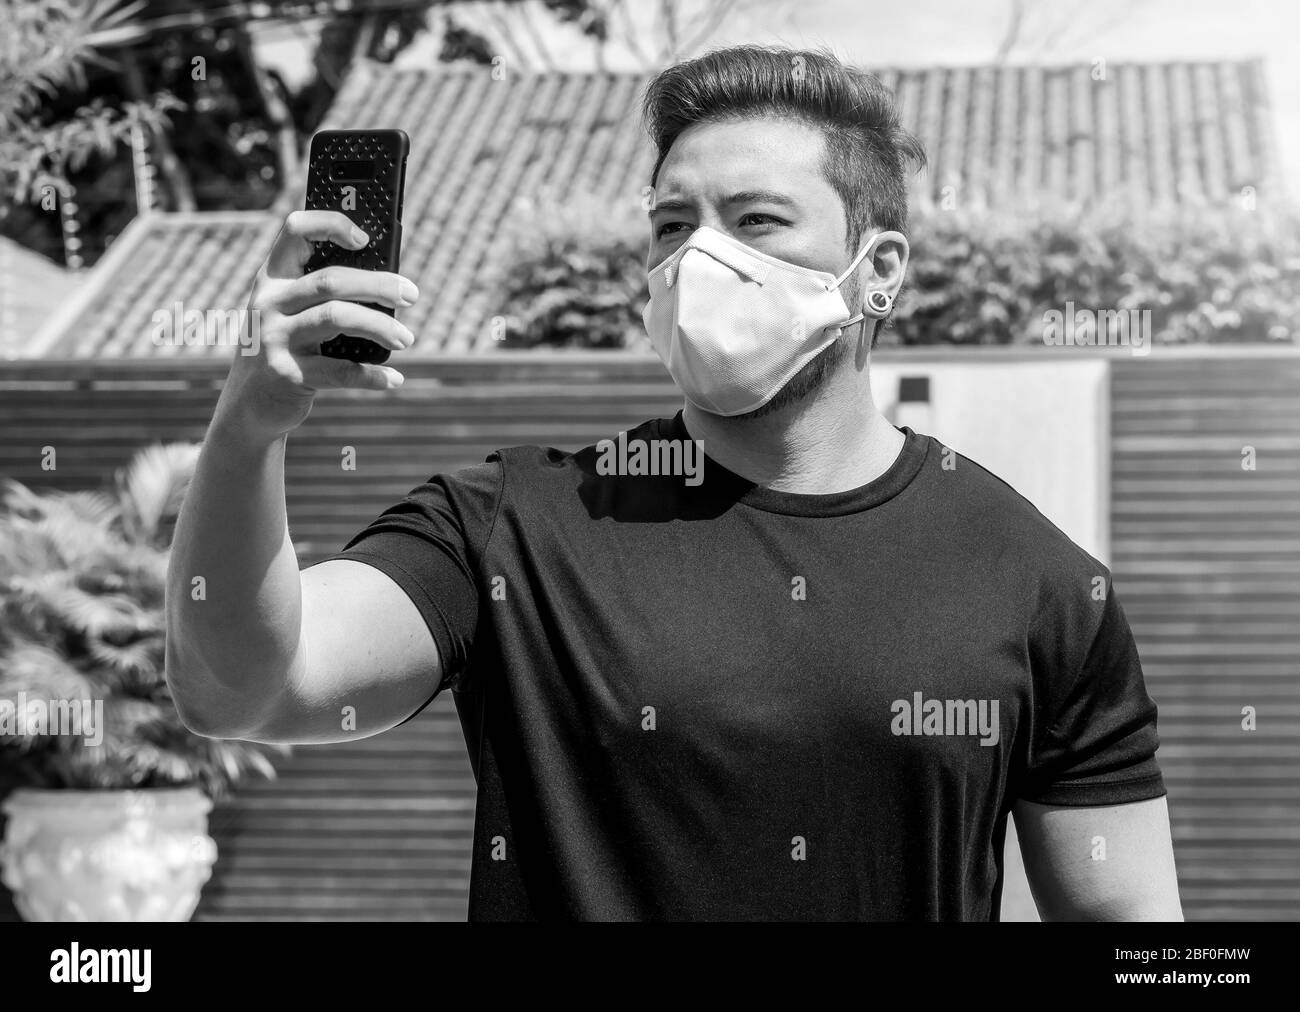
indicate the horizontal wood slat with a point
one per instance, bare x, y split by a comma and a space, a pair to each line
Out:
1206, 557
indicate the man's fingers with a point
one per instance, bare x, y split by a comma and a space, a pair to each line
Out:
324, 373
293, 246
323, 322
350, 283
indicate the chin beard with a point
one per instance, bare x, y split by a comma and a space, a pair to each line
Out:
807, 380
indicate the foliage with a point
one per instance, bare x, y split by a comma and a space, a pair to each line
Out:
50, 45
82, 577
80, 78
576, 278
50, 53
1207, 275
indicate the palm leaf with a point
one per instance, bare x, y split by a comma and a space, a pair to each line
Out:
152, 486
52, 43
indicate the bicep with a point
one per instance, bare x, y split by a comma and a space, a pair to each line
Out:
367, 659
1100, 863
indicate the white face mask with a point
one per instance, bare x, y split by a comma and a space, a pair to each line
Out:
734, 325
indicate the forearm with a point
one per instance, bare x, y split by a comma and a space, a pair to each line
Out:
234, 600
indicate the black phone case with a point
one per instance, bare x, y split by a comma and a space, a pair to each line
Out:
378, 210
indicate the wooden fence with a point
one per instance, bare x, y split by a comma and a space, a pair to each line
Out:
1206, 556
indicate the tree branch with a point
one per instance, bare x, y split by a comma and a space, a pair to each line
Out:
274, 108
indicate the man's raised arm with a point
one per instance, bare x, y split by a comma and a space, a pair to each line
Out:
257, 649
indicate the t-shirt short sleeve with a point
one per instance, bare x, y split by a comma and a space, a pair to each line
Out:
430, 544
1098, 742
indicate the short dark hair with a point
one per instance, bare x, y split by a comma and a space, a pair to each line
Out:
867, 148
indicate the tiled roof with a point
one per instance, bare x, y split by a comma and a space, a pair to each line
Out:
30, 287
998, 135
205, 261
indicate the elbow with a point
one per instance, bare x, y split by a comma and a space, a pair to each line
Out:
197, 700
202, 721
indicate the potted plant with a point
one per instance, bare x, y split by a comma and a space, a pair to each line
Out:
109, 821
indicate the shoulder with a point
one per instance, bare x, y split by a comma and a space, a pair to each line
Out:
1061, 588
535, 467
989, 511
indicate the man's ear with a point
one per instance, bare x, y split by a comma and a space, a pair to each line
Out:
885, 267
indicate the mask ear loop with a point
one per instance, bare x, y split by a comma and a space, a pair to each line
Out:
870, 246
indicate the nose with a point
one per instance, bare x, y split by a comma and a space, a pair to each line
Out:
710, 217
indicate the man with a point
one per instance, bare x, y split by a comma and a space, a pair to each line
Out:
810, 682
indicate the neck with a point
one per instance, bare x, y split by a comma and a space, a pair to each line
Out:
833, 440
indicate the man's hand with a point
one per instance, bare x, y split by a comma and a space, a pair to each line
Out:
270, 393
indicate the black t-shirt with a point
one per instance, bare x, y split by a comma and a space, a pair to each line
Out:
716, 700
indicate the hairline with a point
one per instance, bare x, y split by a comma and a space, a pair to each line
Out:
778, 113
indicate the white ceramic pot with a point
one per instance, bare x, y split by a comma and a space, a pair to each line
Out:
107, 855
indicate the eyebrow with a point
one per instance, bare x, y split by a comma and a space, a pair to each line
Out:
743, 197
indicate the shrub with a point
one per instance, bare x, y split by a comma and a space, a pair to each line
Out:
577, 279
1206, 274
82, 576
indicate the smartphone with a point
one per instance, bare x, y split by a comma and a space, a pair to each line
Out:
361, 173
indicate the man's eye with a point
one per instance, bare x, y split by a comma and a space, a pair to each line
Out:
666, 227
757, 218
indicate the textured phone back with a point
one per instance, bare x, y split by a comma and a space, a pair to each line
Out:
374, 204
